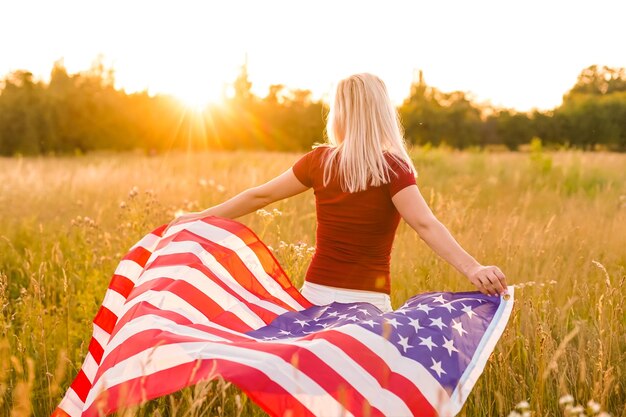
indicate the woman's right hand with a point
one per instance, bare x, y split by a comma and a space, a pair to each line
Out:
183, 218
489, 280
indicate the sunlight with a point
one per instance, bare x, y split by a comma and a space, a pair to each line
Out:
196, 97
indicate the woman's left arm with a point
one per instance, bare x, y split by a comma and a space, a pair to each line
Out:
283, 186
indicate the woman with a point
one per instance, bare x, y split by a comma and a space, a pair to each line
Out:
364, 181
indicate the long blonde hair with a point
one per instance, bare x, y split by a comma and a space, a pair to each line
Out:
362, 124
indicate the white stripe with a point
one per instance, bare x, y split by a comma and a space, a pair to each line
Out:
90, 367
148, 242
231, 241
154, 322
129, 269
430, 388
114, 301
71, 403
223, 299
101, 335
153, 360
212, 264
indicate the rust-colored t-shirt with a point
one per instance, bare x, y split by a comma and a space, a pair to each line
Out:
355, 231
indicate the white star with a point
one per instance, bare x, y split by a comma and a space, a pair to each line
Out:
458, 327
324, 325
428, 342
437, 322
424, 308
342, 316
468, 310
439, 299
416, 324
285, 332
449, 345
269, 338
364, 311
369, 322
323, 310
301, 323
448, 306
404, 342
437, 368
353, 318
333, 314
402, 311
393, 322
353, 307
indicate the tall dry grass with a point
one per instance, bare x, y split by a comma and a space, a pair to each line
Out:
554, 222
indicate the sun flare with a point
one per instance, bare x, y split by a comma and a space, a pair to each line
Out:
196, 97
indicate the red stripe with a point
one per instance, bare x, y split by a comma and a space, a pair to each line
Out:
59, 413
267, 258
96, 350
81, 385
145, 308
269, 395
121, 285
140, 255
192, 295
106, 319
159, 230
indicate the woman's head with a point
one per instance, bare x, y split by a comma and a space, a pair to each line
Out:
362, 124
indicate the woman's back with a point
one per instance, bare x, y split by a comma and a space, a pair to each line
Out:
355, 231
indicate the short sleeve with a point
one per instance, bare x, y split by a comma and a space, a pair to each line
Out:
401, 177
302, 169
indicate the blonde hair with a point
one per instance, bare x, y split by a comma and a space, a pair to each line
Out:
362, 124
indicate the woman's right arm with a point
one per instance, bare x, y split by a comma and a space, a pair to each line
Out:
415, 211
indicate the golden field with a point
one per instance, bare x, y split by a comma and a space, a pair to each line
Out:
554, 222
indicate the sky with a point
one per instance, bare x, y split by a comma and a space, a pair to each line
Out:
514, 54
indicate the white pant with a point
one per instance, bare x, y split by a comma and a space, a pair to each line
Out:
324, 294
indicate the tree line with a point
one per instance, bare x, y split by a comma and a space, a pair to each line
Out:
82, 112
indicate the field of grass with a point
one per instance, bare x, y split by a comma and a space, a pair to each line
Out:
554, 222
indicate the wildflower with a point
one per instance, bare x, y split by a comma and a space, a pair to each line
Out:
514, 414
122, 204
270, 248
202, 182
593, 407
220, 188
263, 213
566, 399
133, 191
522, 405
277, 212
178, 213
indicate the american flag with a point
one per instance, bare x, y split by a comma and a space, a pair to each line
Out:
209, 299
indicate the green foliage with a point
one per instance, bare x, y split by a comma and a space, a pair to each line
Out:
83, 112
